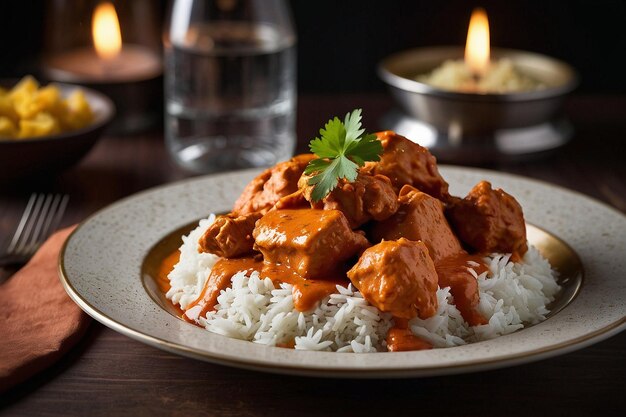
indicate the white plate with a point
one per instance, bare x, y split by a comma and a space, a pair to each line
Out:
101, 270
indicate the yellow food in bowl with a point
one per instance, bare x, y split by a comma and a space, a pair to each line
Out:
28, 110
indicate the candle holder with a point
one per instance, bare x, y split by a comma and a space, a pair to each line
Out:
478, 127
110, 46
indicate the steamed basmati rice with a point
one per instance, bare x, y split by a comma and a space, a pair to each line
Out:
255, 309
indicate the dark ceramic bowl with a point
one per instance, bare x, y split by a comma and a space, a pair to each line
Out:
26, 158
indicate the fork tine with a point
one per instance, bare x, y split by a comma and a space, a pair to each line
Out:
30, 223
36, 236
41, 217
55, 217
20, 226
60, 211
55, 206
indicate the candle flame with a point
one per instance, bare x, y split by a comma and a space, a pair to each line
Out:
105, 29
477, 46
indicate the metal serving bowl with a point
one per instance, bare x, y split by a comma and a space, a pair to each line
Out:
475, 113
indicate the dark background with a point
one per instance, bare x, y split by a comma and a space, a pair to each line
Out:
340, 42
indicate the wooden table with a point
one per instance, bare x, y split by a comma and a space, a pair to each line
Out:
110, 374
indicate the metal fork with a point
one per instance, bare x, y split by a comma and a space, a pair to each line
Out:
41, 217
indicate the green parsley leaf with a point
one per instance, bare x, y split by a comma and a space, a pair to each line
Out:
368, 148
341, 150
333, 137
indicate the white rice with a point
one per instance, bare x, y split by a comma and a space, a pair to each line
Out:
254, 309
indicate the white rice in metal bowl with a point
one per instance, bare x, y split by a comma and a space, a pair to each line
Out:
254, 309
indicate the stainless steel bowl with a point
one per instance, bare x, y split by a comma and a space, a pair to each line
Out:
471, 113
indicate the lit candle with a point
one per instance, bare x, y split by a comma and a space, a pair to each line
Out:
477, 73
477, 45
109, 59
106, 32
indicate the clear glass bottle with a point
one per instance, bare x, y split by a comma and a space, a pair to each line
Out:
230, 84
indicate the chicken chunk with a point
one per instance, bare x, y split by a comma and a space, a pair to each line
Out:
398, 277
230, 236
267, 188
368, 197
406, 162
419, 217
313, 243
489, 221
292, 201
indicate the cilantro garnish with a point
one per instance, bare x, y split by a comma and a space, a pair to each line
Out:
341, 150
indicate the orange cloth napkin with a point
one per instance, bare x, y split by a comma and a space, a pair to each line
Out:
38, 320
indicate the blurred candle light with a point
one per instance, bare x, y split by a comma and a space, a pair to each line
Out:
105, 30
477, 45
111, 46
107, 58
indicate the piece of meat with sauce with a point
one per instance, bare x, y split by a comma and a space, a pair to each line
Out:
489, 221
398, 277
292, 201
268, 187
368, 197
419, 217
405, 162
229, 236
313, 243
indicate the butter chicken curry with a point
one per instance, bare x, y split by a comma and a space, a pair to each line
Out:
395, 233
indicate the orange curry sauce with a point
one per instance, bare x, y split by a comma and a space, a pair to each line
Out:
453, 272
307, 293
400, 338
165, 267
